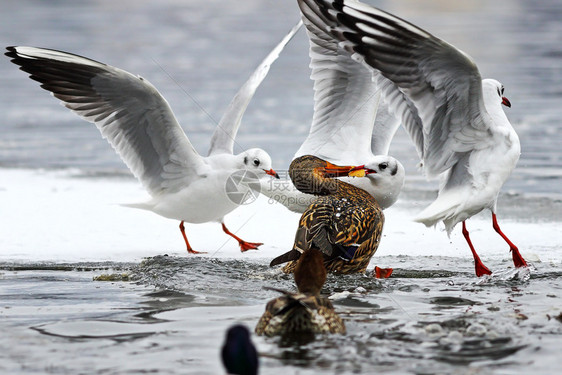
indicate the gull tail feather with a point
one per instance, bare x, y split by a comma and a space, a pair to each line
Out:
442, 209
141, 205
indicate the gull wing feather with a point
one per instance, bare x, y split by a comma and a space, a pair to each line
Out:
225, 133
443, 83
345, 97
129, 112
386, 125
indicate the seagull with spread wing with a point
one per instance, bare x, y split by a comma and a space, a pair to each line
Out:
453, 115
139, 124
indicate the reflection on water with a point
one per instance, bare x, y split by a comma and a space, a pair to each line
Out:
172, 318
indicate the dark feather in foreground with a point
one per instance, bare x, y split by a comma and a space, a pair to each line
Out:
239, 356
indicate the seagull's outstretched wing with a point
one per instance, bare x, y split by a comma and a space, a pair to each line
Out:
225, 133
433, 87
129, 112
345, 98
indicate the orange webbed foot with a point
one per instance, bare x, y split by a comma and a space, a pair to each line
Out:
191, 251
518, 260
481, 269
382, 273
245, 246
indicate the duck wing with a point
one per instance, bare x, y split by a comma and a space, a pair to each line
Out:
335, 227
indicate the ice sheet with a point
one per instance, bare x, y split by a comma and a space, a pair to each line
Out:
63, 216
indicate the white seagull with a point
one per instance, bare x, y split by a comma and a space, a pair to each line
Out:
343, 129
453, 115
138, 122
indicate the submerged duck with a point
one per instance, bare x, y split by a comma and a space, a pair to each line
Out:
305, 311
345, 222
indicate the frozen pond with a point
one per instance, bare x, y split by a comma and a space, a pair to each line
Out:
166, 312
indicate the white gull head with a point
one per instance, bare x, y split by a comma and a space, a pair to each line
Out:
257, 161
386, 183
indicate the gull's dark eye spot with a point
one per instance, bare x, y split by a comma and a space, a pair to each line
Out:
256, 162
502, 90
383, 165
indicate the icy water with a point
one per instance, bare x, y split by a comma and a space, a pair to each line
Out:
171, 314
83, 293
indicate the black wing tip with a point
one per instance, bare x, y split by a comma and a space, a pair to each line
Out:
284, 258
20, 58
16, 57
12, 52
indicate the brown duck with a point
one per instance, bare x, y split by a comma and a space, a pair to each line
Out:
345, 222
305, 311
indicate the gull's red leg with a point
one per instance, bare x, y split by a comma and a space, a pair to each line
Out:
518, 260
481, 269
244, 246
189, 249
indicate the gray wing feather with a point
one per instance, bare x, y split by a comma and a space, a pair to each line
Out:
225, 133
345, 97
395, 108
386, 125
441, 82
129, 112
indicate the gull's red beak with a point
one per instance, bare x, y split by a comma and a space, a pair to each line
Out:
271, 172
506, 102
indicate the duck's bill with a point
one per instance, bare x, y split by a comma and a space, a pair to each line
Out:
360, 171
357, 172
332, 170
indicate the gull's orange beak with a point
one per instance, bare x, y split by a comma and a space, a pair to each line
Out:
271, 172
506, 102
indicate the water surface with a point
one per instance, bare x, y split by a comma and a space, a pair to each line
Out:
171, 315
